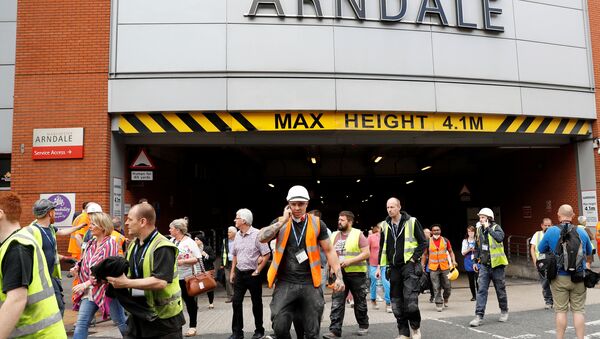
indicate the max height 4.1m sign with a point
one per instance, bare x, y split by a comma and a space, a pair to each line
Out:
57, 143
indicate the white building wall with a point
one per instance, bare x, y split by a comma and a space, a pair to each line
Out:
207, 55
8, 28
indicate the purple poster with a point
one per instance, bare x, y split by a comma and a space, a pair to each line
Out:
65, 203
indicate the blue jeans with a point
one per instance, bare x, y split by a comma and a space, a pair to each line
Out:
496, 275
386, 284
88, 309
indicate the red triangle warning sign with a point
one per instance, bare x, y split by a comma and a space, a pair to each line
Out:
142, 162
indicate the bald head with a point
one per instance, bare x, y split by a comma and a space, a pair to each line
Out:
393, 208
144, 210
565, 213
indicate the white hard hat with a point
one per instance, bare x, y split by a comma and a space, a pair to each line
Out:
487, 212
298, 193
92, 207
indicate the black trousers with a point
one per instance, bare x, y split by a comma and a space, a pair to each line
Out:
404, 295
357, 284
296, 301
191, 303
244, 281
473, 283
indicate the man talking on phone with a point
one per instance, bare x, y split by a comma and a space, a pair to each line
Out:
296, 266
489, 253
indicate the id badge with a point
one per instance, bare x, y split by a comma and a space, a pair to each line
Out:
301, 256
484, 247
137, 292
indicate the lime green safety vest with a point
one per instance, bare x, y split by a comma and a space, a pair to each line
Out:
165, 303
41, 317
496, 249
351, 250
37, 234
537, 237
410, 243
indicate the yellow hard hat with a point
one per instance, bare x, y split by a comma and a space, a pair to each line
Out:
453, 275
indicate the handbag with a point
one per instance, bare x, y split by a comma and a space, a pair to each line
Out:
546, 265
200, 282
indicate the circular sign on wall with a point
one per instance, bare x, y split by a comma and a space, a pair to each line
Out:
63, 207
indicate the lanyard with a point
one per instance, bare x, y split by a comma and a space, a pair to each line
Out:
136, 263
298, 240
46, 235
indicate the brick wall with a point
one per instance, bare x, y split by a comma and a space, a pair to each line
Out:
550, 176
61, 80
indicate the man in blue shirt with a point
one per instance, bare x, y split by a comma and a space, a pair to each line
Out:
565, 292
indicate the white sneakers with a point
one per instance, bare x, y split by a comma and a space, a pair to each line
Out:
415, 334
478, 319
476, 322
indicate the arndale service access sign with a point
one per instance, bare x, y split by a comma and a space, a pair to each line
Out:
57, 143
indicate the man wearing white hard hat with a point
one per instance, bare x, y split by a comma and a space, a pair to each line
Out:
296, 266
489, 253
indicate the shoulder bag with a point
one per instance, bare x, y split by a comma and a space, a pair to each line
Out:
200, 282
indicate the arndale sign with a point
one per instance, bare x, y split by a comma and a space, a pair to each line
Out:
426, 8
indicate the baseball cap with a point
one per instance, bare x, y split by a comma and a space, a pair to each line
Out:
42, 207
93, 207
298, 193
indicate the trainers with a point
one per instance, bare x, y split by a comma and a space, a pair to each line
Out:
476, 322
503, 317
363, 331
438, 308
416, 334
258, 335
388, 308
446, 305
352, 303
374, 304
431, 300
331, 335
548, 306
402, 337
473, 299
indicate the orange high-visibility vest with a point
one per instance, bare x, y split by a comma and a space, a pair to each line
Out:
313, 227
438, 256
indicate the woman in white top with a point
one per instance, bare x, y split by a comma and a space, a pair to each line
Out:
187, 258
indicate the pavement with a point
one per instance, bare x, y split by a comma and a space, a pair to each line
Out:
528, 319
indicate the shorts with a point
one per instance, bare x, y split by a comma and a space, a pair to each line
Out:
567, 293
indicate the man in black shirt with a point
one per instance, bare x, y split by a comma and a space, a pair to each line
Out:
296, 266
157, 291
22, 316
401, 245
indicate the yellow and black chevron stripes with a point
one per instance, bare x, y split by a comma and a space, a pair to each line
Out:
202, 122
544, 125
183, 122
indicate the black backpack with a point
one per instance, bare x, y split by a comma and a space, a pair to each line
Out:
569, 252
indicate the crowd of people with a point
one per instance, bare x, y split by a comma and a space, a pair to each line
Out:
141, 283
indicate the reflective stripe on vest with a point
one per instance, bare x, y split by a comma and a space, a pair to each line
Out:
41, 316
438, 256
351, 250
165, 303
225, 252
537, 237
410, 243
37, 235
314, 257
